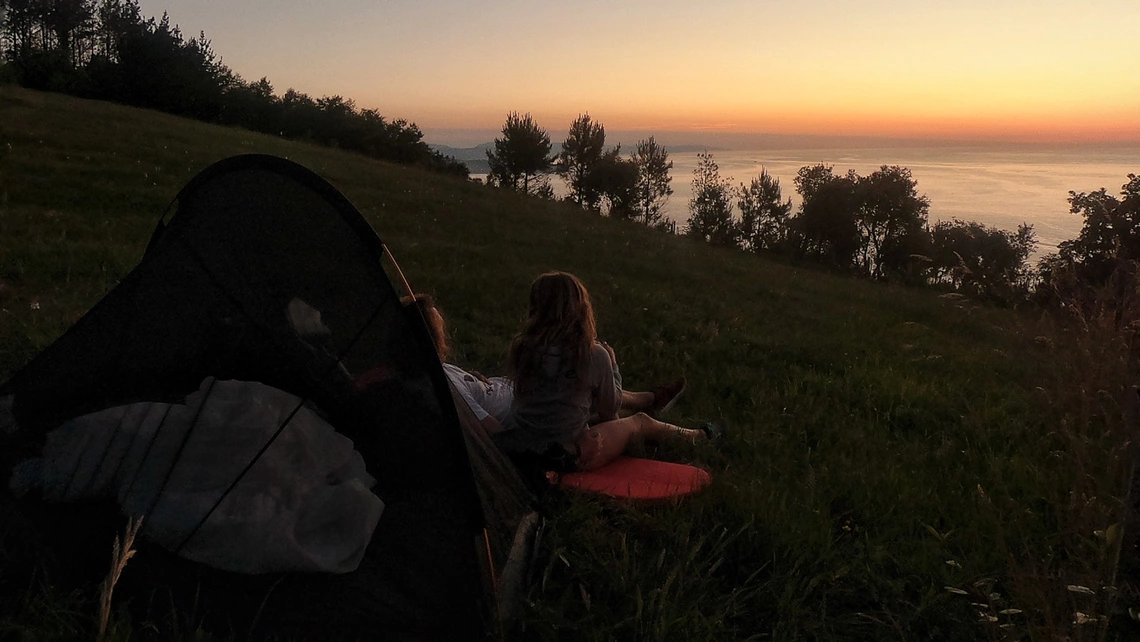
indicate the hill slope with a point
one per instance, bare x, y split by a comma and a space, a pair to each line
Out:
886, 443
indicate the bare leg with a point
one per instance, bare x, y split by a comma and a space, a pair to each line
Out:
658, 400
606, 441
636, 401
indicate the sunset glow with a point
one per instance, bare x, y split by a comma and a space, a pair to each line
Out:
1050, 70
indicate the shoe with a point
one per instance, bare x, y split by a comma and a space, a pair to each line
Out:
713, 429
664, 397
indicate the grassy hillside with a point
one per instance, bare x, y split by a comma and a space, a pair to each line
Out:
900, 465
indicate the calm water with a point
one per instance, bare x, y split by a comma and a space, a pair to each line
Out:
999, 188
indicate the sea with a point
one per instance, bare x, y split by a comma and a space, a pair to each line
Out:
1000, 187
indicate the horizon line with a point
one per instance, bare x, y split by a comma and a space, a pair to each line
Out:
761, 140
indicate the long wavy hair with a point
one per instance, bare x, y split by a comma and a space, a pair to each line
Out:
437, 328
559, 316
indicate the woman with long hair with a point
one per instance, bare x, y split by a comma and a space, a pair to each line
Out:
490, 398
563, 377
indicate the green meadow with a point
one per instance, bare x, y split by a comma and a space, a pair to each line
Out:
900, 464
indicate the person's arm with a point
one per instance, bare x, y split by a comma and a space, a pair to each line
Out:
457, 378
489, 423
607, 379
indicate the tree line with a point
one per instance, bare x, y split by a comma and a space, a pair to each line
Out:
107, 50
597, 178
874, 226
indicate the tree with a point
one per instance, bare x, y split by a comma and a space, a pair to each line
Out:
72, 24
811, 179
48, 41
764, 216
981, 260
1098, 273
875, 225
117, 19
825, 229
614, 179
522, 155
1111, 231
653, 189
710, 209
159, 69
581, 152
104, 49
891, 219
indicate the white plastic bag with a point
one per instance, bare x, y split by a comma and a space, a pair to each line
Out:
304, 505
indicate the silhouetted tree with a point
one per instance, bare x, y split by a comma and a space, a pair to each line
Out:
891, 219
825, 229
581, 152
982, 261
117, 19
811, 179
653, 189
106, 50
1097, 275
710, 209
521, 157
875, 225
72, 25
764, 215
159, 69
252, 105
614, 179
23, 28
47, 40
1111, 231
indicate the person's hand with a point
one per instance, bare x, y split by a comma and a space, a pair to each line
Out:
480, 377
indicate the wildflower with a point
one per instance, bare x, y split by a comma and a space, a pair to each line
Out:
35, 305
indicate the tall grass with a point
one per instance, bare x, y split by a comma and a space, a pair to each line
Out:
900, 465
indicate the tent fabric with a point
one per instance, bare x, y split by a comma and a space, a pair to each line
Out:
266, 273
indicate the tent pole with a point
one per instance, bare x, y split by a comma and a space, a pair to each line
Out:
403, 280
495, 608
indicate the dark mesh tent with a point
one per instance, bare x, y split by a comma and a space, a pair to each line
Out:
214, 300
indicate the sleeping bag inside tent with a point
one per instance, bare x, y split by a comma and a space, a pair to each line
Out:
257, 393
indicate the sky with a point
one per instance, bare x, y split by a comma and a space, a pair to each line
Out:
1056, 71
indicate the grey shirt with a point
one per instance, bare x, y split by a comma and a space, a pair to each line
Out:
562, 401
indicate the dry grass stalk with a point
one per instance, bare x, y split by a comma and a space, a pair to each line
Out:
121, 551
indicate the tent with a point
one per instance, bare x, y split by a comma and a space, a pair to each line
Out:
215, 299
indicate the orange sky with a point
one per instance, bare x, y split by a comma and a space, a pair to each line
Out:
1047, 70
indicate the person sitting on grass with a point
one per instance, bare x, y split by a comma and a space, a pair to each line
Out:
490, 398
562, 377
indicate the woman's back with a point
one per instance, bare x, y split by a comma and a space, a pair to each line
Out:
556, 400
